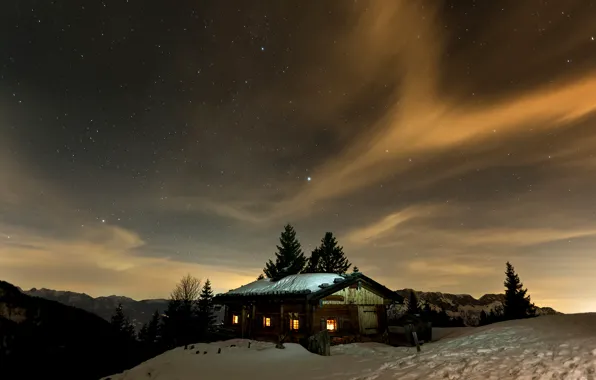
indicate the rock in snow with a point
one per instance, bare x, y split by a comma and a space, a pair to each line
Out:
549, 347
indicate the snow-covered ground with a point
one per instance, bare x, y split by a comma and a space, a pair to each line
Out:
549, 347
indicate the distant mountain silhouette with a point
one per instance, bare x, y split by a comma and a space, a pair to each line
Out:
40, 338
464, 305
139, 312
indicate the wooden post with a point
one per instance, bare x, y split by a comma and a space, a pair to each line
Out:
281, 318
308, 319
253, 320
415, 336
243, 320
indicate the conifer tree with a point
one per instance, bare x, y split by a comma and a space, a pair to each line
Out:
261, 277
153, 328
122, 325
205, 307
355, 270
517, 303
289, 258
330, 257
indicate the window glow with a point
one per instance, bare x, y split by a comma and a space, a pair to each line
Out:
266, 321
294, 324
235, 319
332, 324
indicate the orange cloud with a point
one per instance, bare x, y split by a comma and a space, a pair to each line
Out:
101, 260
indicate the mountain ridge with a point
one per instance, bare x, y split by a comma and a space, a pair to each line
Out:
464, 306
139, 312
53, 336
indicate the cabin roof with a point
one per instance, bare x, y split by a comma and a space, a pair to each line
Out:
311, 286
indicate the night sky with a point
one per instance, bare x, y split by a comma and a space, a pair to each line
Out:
143, 140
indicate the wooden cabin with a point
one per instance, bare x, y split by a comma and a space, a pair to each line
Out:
298, 306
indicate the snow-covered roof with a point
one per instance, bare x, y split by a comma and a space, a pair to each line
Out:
293, 284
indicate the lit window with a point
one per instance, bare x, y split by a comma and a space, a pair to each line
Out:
294, 324
235, 319
266, 321
332, 324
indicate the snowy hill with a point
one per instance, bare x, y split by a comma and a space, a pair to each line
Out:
550, 347
464, 305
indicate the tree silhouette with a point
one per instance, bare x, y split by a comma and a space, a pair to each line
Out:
122, 325
329, 257
517, 303
289, 258
205, 308
180, 322
149, 333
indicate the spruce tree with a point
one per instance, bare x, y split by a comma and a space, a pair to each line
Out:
413, 307
122, 325
153, 328
205, 308
517, 303
355, 270
289, 258
330, 256
261, 277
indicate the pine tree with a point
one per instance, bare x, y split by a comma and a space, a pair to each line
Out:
289, 258
355, 270
413, 307
261, 277
142, 336
152, 328
205, 308
329, 257
122, 325
517, 303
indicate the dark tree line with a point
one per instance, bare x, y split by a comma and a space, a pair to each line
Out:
188, 319
328, 257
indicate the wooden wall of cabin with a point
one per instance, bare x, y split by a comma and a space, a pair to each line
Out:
254, 318
346, 317
355, 295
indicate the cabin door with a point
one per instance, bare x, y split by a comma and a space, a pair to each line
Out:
369, 322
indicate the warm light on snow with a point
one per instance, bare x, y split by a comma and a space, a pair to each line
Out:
549, 347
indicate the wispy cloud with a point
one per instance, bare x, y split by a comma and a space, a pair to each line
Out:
386, 225
100, 260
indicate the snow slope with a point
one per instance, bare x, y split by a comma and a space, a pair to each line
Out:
549, 347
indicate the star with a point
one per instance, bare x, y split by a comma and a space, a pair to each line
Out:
308, 179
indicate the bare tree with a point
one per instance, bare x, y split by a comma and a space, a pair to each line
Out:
188, 289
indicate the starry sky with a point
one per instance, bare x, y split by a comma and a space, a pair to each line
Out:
143, 140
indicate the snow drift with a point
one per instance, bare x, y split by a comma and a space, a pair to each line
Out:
549, 347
